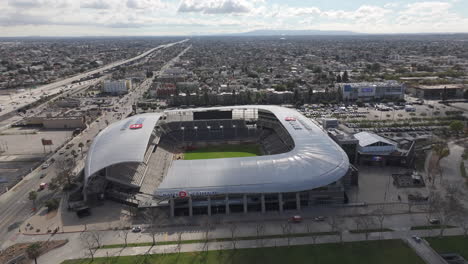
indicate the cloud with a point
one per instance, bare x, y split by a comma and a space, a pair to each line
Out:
96, 4
424, 13
145, 4
24, 3
215, 6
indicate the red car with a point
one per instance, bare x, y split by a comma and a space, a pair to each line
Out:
295, 219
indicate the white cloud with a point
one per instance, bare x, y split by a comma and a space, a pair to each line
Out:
145, 4
96, 4
215, 6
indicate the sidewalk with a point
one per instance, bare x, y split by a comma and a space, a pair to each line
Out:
347, 237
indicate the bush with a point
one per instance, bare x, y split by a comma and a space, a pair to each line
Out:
52, 204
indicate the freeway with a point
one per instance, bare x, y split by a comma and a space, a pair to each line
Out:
15, 207
9, 103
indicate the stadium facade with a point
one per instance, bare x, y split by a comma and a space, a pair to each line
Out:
139, 161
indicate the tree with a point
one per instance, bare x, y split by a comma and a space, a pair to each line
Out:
91, 241
446, 207
81, 145
364, 223
53, 185
286, 228
33, 197
441, 150
179, 241
66, 167
52, 204
152, 217
123, 233
296, 96
317, 69
233, 230
375, 67
380, 212
260, 231
33, 251
457, 126
335, 223
338, 78
206, 234
345, 77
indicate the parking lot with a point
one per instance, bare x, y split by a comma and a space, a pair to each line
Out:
22, 141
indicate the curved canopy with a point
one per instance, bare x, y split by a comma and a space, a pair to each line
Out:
123, 141
315, 161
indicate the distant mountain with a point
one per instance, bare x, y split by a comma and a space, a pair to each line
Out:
295, 33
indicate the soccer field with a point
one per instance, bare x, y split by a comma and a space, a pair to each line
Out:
223, 151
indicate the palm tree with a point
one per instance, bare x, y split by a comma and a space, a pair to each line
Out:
33, 251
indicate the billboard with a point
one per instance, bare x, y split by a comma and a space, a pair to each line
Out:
46, 142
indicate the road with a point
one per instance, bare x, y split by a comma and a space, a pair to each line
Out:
10, 103
15, 207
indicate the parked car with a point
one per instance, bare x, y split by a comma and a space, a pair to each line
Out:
434, 221
45, 166
417, 239
136, 229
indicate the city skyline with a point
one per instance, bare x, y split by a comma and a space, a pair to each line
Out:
188, 17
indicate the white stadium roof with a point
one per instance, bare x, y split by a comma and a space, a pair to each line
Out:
118, 143
315, 161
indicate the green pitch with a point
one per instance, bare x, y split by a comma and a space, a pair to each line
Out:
223, 151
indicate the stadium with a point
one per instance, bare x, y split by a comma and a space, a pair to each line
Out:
217, 160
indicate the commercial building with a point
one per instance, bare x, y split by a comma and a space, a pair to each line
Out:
367, 91
138, 161
439, 92
57, 122
116, 87
376, 150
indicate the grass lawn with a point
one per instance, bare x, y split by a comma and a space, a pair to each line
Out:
382, 252
223, 151
451, 244
430, 227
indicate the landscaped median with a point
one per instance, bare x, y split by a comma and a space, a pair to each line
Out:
431, 227
374, 230
382, 252
224, 239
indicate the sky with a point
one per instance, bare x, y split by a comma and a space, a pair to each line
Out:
198, 17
